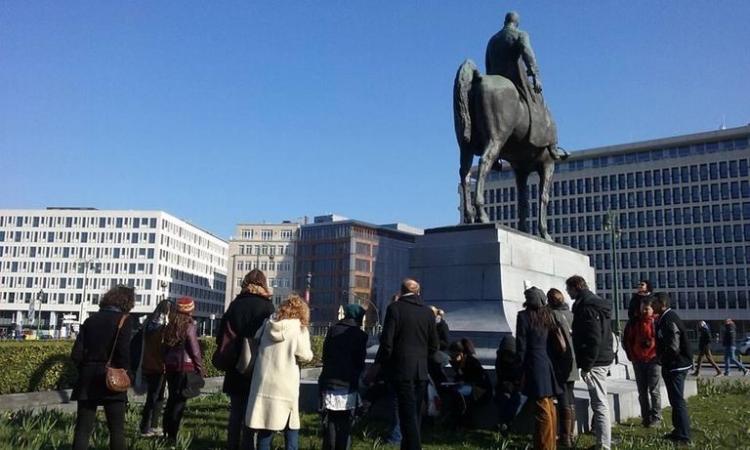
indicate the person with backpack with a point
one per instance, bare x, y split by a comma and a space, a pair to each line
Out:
242, 320
565, 366
640, 346
151, 368
183, 363
592, 344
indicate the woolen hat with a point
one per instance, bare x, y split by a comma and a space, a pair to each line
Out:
535, 297
354, 311
185, 305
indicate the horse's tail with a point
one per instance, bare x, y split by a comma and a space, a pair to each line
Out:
461, 108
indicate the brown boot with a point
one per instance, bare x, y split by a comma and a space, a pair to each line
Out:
567, 421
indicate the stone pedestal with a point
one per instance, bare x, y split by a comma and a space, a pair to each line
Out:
476, 273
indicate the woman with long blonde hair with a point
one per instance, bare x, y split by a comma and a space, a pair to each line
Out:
273, 404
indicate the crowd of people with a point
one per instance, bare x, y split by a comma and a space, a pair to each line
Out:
260, 349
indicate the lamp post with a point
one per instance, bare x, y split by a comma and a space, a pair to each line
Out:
163, 286
377, 326
92, 263
611, 224
39, 298
231, 280
211, 330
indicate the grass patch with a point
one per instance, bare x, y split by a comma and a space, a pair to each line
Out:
719, 416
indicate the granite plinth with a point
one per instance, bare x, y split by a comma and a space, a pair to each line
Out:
476, 273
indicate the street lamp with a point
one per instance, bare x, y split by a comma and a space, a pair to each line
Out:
39, 298
377, 326
611, 224
93, 264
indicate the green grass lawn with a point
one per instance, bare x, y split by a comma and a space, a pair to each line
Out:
720, 416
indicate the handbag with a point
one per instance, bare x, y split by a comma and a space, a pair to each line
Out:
192, 385
117, 379
249, 353
558, 339
226, 355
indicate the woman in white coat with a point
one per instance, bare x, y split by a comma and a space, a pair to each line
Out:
273, 404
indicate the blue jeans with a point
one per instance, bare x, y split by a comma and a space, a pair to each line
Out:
729, 356
291, 439
675, 384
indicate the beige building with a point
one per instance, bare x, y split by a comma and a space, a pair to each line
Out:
268, 247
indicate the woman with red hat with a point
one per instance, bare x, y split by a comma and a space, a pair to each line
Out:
182, 356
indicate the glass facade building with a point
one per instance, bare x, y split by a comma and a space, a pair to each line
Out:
683, 207
349, 261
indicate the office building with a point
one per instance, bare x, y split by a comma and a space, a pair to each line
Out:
69, 257
268, 247
348, 261
683, 208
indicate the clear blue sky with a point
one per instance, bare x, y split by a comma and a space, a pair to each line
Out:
227, 112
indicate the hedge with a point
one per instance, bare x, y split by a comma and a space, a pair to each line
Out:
29, 366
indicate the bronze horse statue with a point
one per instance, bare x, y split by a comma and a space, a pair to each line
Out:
493, 122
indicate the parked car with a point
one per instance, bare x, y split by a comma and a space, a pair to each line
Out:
744, 347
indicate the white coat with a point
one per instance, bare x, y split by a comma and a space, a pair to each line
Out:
274, 391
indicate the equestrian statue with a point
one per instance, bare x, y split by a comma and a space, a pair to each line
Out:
502, 116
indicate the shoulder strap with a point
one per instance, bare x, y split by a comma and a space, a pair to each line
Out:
117, 335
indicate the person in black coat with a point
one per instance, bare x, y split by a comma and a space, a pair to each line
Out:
344, 352
409, 338
245, 315
540, 384
100, 337
675, 356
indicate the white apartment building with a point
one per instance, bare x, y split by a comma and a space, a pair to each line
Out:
268, 247
69, 257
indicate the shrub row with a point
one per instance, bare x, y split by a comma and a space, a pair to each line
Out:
30, 366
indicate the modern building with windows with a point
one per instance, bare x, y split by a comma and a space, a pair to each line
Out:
345, 261
268, 247
68, 257
683, 208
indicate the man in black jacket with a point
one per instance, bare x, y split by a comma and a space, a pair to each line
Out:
409, 339
673, 351
592, 345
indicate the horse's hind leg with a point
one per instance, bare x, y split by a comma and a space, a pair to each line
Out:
545, 172
467, 157
487, 161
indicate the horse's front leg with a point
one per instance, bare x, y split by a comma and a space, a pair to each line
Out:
522, 191
545, 181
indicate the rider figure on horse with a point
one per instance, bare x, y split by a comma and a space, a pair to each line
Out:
507, 52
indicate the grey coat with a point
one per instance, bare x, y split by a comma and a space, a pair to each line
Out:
564, 317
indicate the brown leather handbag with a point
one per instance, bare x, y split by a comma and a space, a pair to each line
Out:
117, 379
